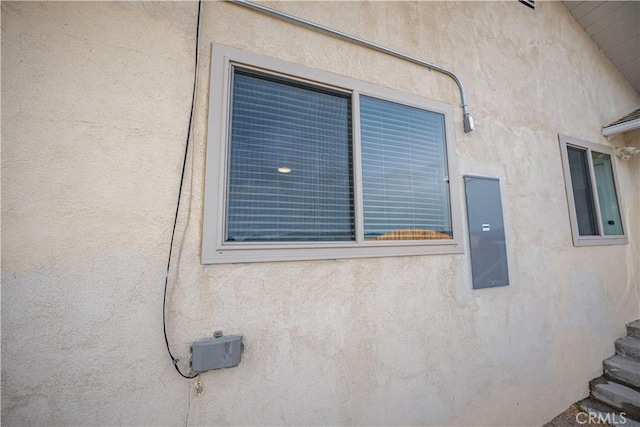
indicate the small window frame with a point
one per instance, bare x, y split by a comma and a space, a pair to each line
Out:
216, 250
600, 238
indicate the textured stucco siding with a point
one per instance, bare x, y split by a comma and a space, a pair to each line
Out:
95, 106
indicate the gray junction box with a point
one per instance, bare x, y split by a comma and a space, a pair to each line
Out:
216, 353
486, 232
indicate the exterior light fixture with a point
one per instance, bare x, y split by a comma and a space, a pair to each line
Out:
284, 169
625, 153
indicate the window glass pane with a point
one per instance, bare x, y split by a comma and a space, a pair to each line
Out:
607, 198
582, 192
405, 191
290, 163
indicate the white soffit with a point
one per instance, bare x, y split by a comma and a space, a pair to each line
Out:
614, 26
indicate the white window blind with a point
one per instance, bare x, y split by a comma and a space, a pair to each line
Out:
290, 165
403, 169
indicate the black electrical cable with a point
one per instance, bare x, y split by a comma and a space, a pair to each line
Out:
175, 220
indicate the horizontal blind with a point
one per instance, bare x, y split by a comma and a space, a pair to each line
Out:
404, 170
290, 162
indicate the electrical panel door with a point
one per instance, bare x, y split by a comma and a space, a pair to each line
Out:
486, 232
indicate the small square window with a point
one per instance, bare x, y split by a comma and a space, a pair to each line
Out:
303, 164
594, 208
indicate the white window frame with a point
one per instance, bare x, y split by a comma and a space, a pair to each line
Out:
216, 250
601, 238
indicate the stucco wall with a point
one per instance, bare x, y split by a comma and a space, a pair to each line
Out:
95, 102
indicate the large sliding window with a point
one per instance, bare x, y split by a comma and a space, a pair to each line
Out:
308, 165
594, 208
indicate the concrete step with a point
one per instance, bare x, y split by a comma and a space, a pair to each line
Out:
595, 411
628, 347
633, 328
624, 369
618, 396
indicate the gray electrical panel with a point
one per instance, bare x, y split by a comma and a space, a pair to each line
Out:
215, 353
486, 232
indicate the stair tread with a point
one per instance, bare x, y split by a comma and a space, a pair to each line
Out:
633, 328
624, 369
615, 417
628, 346
616, 395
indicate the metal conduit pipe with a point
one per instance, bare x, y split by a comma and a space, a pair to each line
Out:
467, 119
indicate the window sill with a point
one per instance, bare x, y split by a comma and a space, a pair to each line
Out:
296, 252
600, 241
